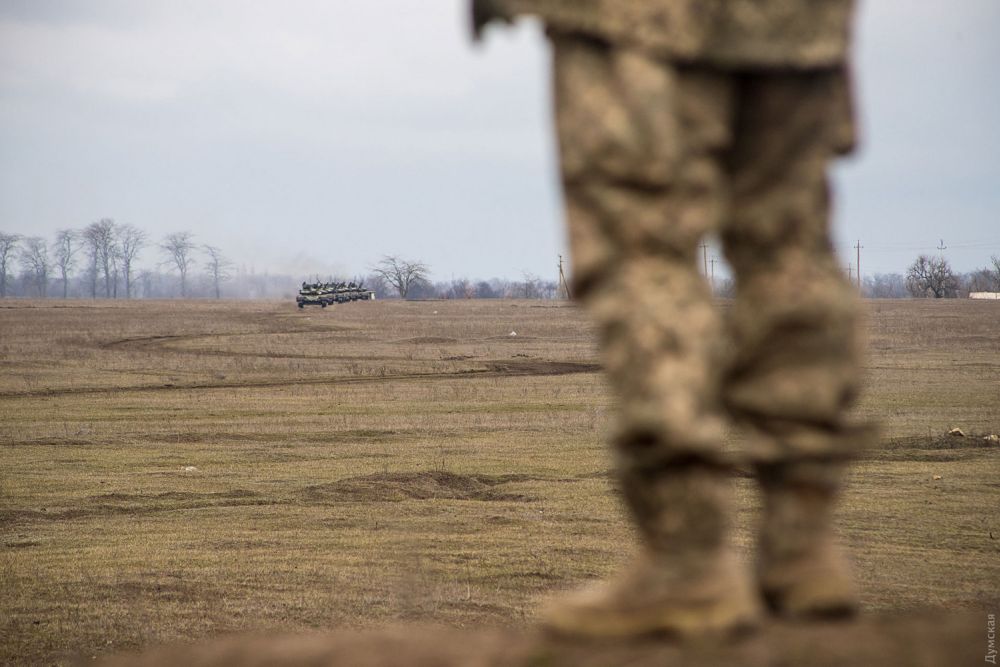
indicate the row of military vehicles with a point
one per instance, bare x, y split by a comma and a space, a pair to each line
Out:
327, 294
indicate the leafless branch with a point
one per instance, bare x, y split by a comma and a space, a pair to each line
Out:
402, 274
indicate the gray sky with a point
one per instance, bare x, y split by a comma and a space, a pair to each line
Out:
315, 135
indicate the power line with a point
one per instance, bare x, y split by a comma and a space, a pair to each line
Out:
990, 242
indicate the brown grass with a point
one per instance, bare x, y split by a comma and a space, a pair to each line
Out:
382, 461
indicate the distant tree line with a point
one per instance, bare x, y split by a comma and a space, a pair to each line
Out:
101, 261
408, 279
932, 277
928, 277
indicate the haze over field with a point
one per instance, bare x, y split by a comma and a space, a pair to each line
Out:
316, 137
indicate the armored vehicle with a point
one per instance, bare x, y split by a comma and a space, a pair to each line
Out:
324, 294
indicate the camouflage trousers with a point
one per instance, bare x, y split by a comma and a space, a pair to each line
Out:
656, 155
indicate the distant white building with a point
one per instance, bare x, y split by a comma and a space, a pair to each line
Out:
995, 296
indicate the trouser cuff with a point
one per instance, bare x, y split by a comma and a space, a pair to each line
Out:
784, 443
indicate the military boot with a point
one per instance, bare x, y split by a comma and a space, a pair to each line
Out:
686, 581
801, 570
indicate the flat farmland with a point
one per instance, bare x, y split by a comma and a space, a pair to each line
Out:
180, 470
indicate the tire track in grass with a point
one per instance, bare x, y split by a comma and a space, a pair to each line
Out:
495, 369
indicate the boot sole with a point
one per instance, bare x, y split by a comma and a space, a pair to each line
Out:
796, 604
724, 619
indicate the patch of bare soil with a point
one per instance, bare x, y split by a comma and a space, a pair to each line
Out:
125, 499
598, 474
970, 441
162, 341
541, 367
109, 504
495, 369
931, 639
395, 487
934, 448
147, 341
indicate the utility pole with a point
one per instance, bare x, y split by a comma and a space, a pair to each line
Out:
704, 255
850, 273
713, 261
858, 247
562, 279
941, 246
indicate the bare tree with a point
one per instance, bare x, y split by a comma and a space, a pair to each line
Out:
459, 288
34, 258
218, 267
131, 240
99, 238
995, 271
65, 249
377, 284
402, 274
503, 288
931, 277
92, 246
530, 287
484, 290
179, 247
978, 281
885, 286
8, 244
986, 279
151, 283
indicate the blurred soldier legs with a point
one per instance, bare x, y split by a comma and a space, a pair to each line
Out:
797, 349
654, 156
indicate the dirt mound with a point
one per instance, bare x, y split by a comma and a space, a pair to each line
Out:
942, 638
394, 487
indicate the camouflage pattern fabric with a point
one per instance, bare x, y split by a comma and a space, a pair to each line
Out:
655, 155
740, 33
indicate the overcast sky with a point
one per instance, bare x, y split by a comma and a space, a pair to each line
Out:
313, 136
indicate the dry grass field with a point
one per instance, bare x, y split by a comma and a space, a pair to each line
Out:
182, 470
